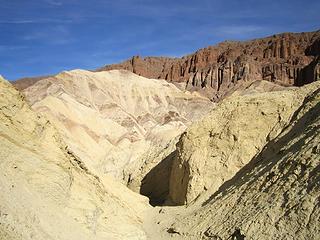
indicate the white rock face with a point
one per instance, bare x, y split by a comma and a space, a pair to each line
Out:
119, 124
47, 193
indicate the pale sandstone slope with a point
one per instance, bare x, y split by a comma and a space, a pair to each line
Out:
213, 150
47, 193
118, 123
275, 196
248, 170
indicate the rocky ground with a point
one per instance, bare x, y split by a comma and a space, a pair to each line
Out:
274, 196
47, 192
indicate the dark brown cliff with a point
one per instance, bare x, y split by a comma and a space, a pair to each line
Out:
287, 59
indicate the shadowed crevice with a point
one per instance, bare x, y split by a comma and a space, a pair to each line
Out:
155, 184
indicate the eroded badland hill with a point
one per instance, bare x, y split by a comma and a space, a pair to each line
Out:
110, 154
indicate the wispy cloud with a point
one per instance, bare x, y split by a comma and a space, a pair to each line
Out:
4, 48
17, 21
239, 32
154, 9
53, 2
36, 21
53, 35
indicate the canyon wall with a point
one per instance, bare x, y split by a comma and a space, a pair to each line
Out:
287, 59
214, 149
47, 192
275, 195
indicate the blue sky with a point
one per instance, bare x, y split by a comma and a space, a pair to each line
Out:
40, 37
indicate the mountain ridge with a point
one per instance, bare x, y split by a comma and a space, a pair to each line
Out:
286, 58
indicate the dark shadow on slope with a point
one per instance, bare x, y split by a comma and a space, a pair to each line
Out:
308, 74
273, 151
155, 185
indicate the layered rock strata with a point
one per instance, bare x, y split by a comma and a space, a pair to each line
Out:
47, 192
119, 124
